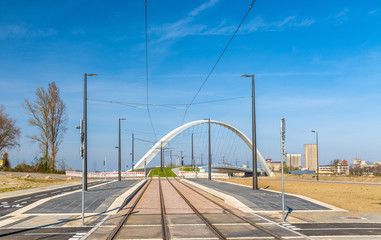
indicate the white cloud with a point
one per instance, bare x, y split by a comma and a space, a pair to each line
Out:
203, 7
373, 12
17, 31
259, 24
341, 16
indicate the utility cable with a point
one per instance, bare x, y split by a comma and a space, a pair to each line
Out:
214, 66
149, 114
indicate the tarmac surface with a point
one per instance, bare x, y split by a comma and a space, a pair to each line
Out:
58, 214
97, 199
13, 201
260, 200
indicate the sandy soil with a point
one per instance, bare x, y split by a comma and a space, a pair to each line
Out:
337, 178
10, 182
347, 196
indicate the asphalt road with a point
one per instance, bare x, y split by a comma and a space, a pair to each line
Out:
8, 205
337, 229
323, 181
43, 233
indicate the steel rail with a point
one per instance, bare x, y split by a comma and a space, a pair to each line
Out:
125, 217
164, 227
233, 213
206, 221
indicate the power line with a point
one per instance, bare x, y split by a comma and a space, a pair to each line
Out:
222, 53
149, 114
167, 105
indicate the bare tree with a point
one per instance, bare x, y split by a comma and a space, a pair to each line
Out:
57, 121
9, 133
48, 114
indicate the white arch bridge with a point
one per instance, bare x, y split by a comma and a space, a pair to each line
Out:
167, 138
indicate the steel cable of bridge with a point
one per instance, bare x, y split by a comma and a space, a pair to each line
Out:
215, 146
228, 148
235, 148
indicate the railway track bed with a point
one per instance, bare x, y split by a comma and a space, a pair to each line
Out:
169, 209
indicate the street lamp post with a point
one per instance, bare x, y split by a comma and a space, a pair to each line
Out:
209, 154
85, 126
119, 155
254, 140
317, 154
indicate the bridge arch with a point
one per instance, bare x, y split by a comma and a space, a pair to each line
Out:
164, 140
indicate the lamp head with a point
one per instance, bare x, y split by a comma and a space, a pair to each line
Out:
246, 75
313, 131
122, 119
92, 74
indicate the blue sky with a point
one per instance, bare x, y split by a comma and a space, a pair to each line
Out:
317, 64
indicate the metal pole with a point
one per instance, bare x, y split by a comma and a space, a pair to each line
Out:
104, 165
283, 153
210, 158
170, 152
202, 162
145, 172
317, 157
254, 136
182, 161
85, 138
119, 160
83, 191
192, 154
161, 156
133, 165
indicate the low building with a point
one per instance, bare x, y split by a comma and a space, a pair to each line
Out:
327, 169
274, 166
339, 167
357, 162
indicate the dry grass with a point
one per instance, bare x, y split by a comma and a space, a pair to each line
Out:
347, 196
12, 183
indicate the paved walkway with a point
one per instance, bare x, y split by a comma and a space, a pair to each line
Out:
97, 199
260, 200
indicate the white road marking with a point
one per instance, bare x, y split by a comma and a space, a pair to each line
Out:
4, 202
323, 229
41, 195
22, 199
37, 234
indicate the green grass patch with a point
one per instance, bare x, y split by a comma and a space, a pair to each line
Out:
189, 169
157, 172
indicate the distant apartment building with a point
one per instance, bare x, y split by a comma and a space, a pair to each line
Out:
294, 161
339, 167
274, 166
357, 162
310, 156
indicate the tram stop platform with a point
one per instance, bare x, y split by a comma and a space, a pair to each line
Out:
65, 208
263, 200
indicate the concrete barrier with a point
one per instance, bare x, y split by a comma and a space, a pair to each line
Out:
107, 174
185, 174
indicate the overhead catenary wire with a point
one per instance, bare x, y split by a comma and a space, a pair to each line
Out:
167, 105
148, 112
219, 58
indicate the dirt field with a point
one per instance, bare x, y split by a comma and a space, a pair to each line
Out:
13, 183
359, 198
338, 178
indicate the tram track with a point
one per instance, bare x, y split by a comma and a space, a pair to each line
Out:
231, 212
188, 194
119, 226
